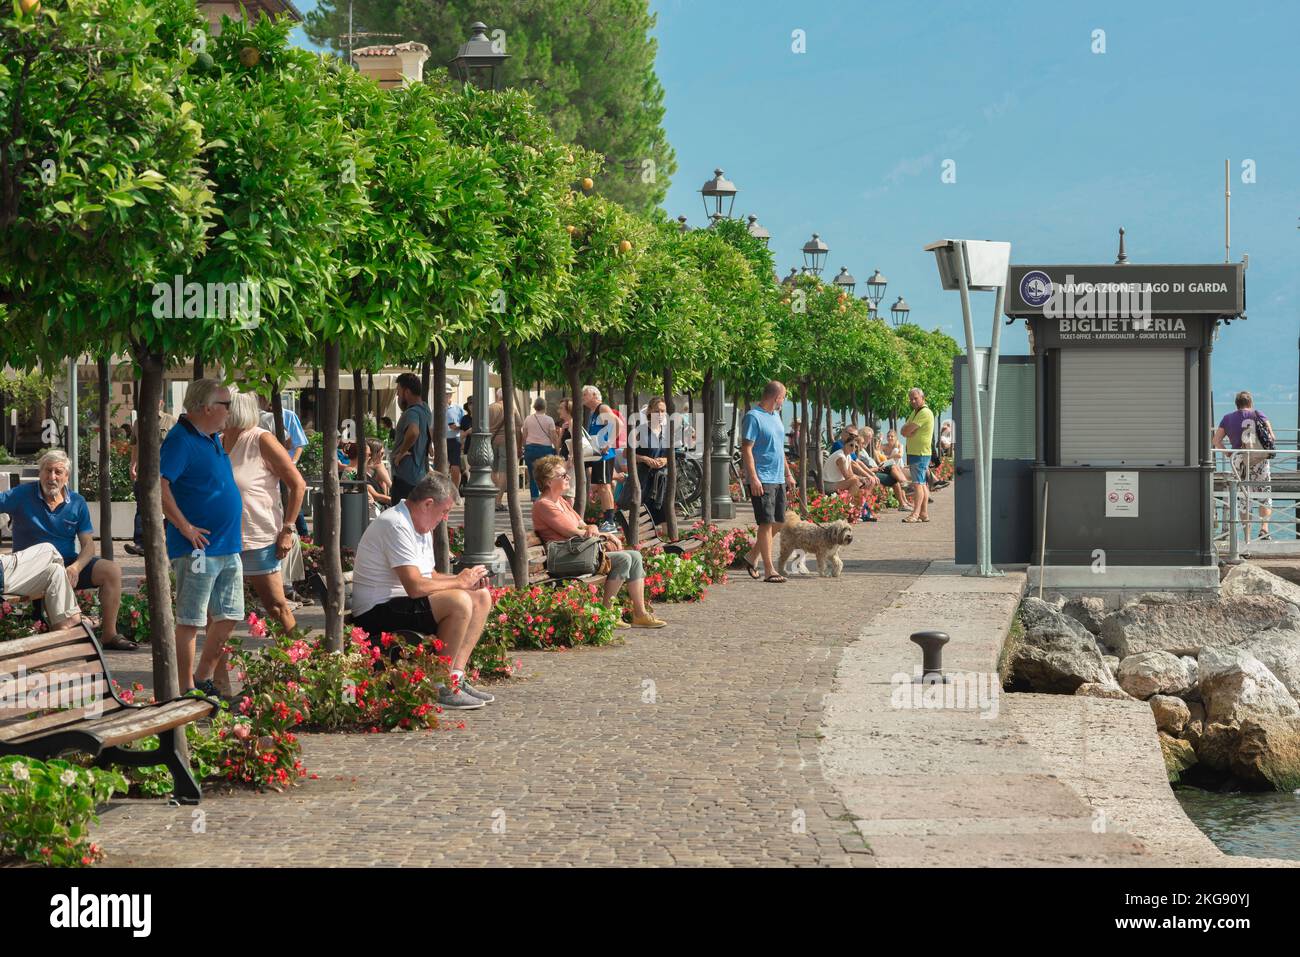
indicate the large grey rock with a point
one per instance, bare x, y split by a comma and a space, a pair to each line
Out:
1171, 713
1185, 627
1111, 663
1268, 753
1279, 651
1216, 745
1195, 725
1057, 660
1091, 689
1087, 611
1247, 579
1236, 686
1036, 613
1193, 678
1153, 672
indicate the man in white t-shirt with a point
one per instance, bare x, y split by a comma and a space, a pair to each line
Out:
395, 587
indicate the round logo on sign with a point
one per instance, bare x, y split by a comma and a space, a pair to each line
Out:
1128, 498
1036, 288
1113, 497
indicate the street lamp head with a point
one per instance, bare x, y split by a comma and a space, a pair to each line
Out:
814, 255
477, 61
844, 282
876, 288
722, 192
757, 231
976, 263
899, 310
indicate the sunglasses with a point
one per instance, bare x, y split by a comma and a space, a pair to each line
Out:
226, 403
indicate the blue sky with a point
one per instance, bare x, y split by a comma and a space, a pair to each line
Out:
1054, 146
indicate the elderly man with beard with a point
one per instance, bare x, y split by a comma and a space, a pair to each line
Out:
47, 513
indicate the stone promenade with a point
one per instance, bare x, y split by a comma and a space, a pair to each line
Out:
697, 744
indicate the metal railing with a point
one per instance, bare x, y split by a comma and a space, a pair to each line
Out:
1240, 527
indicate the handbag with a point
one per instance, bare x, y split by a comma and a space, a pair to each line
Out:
574, 557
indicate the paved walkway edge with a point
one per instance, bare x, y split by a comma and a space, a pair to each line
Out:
986, 778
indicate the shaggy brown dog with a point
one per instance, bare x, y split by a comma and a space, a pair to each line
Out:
823, 541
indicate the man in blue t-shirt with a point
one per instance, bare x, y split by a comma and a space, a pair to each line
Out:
768, 476
204, 513
411, 454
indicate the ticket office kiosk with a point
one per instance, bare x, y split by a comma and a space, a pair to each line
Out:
1123, 418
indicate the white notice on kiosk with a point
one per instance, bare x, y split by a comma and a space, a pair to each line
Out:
1121, 494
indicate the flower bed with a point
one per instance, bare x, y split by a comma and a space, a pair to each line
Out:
944, 471
720, 548
47, 807
834, 507
550, 616
670, 577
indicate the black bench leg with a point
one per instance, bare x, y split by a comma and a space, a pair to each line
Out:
185, 789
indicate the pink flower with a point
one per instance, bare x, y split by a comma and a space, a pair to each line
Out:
358, 634
503, 618
256, 627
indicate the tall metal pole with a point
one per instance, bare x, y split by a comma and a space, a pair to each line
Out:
719, 460
986, 503
73, 451
480, 493
982, 567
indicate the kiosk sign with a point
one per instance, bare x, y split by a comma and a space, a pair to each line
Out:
1121, 494
1126, 291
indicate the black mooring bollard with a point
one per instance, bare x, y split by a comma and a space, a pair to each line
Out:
931, 643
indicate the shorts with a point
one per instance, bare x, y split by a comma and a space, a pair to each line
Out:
214, 590
626, 564
1252, 467
403, 613
886, 477
601, 471
498, 458
259, 561
918, 466
769, 508
453, 452
84, 579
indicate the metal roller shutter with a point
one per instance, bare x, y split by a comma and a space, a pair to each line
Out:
1123, 407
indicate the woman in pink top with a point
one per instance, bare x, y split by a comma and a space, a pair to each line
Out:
260, 464
554, 520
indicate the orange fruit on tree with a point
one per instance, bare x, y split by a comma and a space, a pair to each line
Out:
571, 229
249, 56
587, 182
30, 6
625, 247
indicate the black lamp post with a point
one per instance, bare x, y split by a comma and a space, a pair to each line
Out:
876, 290
844, 282
719, 191
477, 64
757, 231
899, 310
814, 255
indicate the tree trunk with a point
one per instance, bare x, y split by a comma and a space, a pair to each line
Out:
574, 372
162, 624
803, 444
277, 425
670, 492
198, 367
105, 370
633, 479
371, 404
315, 398
830, 428
329, 526
735, 425
706, 472
441, 534
359, 430
519, 564
424, 379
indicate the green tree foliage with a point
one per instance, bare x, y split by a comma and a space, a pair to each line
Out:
930, 354
589, 64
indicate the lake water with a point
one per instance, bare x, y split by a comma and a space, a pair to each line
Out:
1256, 825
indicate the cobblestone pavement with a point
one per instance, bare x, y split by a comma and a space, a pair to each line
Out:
573, 764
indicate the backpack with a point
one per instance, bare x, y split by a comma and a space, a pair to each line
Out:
1257, 434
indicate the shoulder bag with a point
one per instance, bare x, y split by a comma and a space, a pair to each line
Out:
574, 557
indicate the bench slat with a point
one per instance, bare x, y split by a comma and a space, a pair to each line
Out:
54, 721
20, 646
43, 660
131, 724
34, 682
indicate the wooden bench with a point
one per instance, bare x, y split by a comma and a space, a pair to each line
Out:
317, 586
57, 695
648, 534
537, 573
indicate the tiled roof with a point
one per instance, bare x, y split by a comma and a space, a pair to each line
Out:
410, 46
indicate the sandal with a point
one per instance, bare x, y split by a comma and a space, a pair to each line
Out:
910, 520
750, 567
118, 643
776, 579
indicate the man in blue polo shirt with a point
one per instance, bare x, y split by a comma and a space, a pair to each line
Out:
47, 511
767, 474
204, 511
